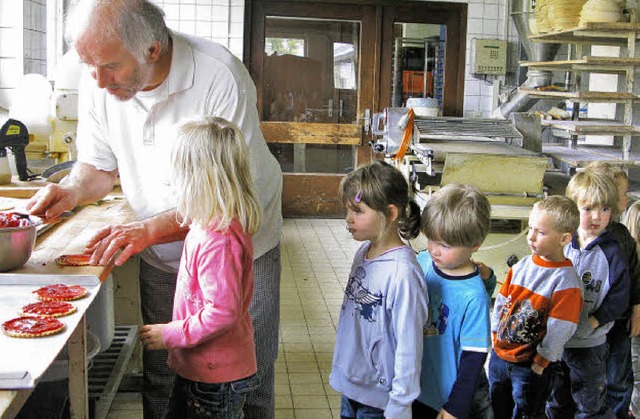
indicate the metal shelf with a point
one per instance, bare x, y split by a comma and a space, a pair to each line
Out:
107, 370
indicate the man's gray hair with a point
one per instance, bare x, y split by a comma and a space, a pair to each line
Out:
138, 23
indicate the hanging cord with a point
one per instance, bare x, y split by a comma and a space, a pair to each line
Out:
506, 242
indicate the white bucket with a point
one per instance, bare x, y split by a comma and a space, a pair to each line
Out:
424, 106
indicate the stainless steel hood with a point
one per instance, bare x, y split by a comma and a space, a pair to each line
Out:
522, 14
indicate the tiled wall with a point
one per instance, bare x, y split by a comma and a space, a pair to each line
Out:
22, 43
35, 36
219, 20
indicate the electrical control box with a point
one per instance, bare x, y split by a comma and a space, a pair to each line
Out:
489, 56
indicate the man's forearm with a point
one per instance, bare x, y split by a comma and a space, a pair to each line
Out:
88, 183
165, 228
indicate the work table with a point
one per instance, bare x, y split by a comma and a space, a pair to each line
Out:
66, 237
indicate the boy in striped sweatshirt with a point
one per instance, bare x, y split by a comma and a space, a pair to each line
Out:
536, 312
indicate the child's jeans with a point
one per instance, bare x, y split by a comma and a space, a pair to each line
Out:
579, 387
619, 375
635, 364
194, 400
516, 391
351, 409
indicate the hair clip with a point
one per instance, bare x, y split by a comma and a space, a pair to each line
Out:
358, 197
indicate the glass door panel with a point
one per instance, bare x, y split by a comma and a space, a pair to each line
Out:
418, 65
311, 76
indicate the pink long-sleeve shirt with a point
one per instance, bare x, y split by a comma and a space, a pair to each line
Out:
211, 336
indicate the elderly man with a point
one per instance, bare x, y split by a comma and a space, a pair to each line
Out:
146, 79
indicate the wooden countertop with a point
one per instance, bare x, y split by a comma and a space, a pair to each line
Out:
70, 236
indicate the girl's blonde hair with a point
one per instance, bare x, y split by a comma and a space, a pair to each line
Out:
632, 221
210, 168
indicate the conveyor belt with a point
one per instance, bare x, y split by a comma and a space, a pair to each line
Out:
466, 128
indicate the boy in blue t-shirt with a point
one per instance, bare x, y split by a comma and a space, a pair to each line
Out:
457, 336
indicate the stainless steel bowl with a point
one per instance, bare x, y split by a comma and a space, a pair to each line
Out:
16, 245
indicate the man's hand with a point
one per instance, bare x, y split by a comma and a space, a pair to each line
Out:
151, 337
52, 200
131, 239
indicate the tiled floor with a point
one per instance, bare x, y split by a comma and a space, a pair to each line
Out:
316, 257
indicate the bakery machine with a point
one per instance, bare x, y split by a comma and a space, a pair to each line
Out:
500, 157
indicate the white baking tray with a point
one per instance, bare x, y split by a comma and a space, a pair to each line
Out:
23, 361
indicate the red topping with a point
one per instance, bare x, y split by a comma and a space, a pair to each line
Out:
48, 308
13, 219
32, 325
60, 292
73, 260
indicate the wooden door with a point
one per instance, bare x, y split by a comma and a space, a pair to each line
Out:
321, 70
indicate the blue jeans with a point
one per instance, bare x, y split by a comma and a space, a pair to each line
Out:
516, 391
351, 409
579, 387
619, 376
194, 400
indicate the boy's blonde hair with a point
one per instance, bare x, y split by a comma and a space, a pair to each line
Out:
613, 170
620, 178
459, 215
210, 168
591, 188
563, 211
632, 221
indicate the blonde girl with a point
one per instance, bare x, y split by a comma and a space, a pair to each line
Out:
210, 339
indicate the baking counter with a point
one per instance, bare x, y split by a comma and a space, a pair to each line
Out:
67, 237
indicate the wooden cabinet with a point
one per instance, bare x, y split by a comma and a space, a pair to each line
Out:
571, 155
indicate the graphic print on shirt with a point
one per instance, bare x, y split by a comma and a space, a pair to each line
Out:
592, 287
519, 322
365, 301
440, 316
183, 287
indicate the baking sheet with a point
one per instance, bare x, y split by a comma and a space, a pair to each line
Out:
23, 361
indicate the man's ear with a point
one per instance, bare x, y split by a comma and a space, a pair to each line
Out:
392, 213
153, 52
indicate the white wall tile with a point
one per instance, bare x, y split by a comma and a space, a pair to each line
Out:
188, 12
204, 13
203, 29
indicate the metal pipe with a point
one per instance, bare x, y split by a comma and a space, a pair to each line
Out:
522, 15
